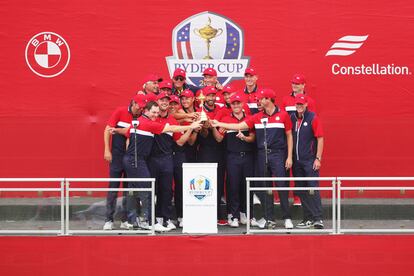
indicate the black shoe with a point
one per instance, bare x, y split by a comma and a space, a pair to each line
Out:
270, 224
304, 224
317, 224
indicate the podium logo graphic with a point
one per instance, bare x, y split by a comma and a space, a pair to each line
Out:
47, 54
208, 40
346, 45
200, 187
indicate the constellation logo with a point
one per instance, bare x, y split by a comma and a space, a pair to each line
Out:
348, 45
208, 40
47, 54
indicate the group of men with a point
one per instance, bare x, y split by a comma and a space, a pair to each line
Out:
246, 133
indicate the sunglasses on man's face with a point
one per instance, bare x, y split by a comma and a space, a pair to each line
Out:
179, 78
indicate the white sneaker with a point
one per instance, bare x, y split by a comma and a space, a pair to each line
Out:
126, 225
159, 220
288, 224
144, 225
256, 200
171, 225
234, 223
109, 225
243, 218
229, 218
258, 223
180, 222
160, 228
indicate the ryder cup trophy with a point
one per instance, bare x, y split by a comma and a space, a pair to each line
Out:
208, 33
203, 115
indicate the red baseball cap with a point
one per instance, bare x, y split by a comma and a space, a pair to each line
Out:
187, 93
174, 98
140, 99
236, 98
209, 90
210, 72
152, 77
151, 97
250, 71
300, 99
266, 93
165, 84
228, 89
179, 73
298, 79
162, 96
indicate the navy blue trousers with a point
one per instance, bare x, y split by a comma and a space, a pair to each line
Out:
311, 200
276, 168
161, 168
141, 171
116, 170
239, 166
179, 158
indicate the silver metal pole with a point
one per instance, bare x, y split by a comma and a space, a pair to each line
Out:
67, 207
338, 228
152, 207
248, 206
62, 207
334, 207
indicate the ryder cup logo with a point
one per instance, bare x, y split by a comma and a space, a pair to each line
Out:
47, 54
208, 40
200, 187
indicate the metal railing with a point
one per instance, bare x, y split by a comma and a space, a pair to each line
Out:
260, 179
60, 182
341, 189
112, 232
63, 187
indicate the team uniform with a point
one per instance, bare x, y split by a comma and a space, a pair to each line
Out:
143, 137
276, 126
120, 118
251, 100
288, 103
161, 168
210, 151
305, 133
240, 164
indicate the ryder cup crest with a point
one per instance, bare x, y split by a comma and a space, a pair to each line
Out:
47, 54
200, 187
208, 40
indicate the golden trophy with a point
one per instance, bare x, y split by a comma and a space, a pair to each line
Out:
208, 33
203, 115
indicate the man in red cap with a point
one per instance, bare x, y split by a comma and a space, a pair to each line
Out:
141, 141
174, 104
165, 87
114, 151
161, 162
227, 92
288, 104
211, 151
274, 153
240, 160
179, 84
298, 87
307, 152
150, 87
250, 78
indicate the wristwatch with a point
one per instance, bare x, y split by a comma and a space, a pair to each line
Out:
318, 158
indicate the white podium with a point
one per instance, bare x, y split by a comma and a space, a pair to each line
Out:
200, 198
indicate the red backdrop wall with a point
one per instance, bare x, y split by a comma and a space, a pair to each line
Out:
53, 127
